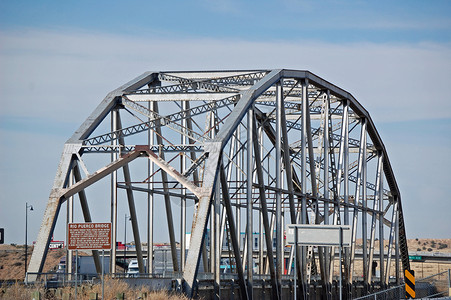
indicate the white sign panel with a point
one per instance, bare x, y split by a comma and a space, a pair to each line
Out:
319, 235
56, 245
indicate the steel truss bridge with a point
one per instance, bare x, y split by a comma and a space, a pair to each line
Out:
237, 151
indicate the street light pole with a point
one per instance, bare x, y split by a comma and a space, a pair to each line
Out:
26, 235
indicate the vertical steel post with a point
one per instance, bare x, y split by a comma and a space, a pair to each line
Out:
70, 219
346, 260
283, 242
364, 213
76, 273
215, 234
326, 185
260, 244
150, 205
259, 142
304, 137
279, 229
295, 273
103, 272
183, 198
125, 241
114, 157
397, 245
326, 158
26, 238
249, 213
211, 235
238, 178
216, 241
381, 225
340, 249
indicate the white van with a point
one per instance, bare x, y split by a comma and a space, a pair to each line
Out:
133, 269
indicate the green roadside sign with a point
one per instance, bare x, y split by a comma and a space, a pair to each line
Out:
416, 258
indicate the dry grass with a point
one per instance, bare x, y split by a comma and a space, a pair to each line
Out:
18, 291
112, 288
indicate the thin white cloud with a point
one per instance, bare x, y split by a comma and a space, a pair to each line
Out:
360, 15
56, 74
406, 24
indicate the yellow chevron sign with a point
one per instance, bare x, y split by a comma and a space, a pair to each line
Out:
409, 279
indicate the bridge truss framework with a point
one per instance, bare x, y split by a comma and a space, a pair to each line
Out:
255, 149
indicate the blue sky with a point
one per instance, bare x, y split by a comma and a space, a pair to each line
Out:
331, 21
58, 59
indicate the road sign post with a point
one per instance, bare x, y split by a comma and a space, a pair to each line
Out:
318, 235
76, 273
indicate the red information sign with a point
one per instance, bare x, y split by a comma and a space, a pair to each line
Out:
89, 236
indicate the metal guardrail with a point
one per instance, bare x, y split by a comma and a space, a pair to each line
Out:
65, 279
397, 292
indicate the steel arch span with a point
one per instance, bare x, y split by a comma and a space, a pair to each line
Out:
237, 151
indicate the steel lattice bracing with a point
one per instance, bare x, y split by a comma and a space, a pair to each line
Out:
254, 151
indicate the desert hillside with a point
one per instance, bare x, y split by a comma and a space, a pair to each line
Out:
430, 245
419, 245
12, 261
